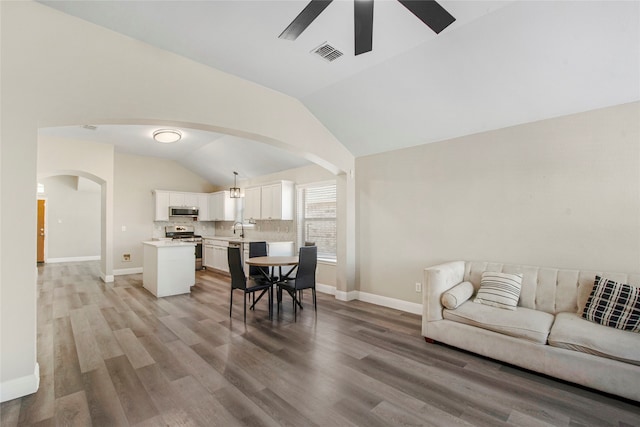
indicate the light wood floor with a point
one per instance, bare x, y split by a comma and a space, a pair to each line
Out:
114, 355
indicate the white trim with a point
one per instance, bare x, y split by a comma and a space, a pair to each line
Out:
22, 386
409, 307
106, 278
346, 296
326, 289
73, 259
125, 271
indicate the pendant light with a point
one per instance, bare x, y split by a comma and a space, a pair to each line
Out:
234, 192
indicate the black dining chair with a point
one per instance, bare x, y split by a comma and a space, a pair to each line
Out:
305, 279
256, 249
246, 285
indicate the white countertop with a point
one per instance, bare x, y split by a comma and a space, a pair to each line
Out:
167, 243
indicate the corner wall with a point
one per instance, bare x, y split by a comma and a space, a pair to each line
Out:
563, 192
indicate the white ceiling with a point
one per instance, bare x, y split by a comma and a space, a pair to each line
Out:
499, 64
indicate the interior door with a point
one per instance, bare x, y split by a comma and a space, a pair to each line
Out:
40, 231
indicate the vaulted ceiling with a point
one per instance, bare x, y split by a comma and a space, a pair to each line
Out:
501, 63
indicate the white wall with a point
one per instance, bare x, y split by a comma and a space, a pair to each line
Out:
134, 208
60, 70
72, 218
562, 193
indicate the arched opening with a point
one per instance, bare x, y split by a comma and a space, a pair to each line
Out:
106, 265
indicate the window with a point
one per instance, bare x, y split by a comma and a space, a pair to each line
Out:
316, 218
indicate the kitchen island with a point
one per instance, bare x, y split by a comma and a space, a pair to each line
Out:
168, 267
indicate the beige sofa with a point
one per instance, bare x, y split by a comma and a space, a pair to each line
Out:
544, 334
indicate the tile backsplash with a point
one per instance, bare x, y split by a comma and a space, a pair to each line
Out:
273, 231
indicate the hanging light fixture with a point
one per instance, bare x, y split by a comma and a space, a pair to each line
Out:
234, 192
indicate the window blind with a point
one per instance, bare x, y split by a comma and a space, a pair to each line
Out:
317, 209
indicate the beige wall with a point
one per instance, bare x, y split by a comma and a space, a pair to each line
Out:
72, 218
563, 192
133, 203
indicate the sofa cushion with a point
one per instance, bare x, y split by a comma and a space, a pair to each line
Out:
572, 332
614, 304
457, 295
499, 290
524, 323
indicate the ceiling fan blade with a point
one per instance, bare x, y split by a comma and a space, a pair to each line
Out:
304, 19
363, 25
430, 12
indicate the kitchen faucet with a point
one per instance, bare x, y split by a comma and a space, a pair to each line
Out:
241, 227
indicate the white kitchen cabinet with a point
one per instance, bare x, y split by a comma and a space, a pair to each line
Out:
176, 199
168, 268
271, 201
220, 258
204, 213
191, 199
221, 206
277, 201
162, 204
208, 255
215, 254
252, 203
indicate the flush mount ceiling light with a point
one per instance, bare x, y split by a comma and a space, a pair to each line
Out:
234, 192
167, 136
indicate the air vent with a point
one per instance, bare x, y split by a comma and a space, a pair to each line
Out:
327, 52
89, 127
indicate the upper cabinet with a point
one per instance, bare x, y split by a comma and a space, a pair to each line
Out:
204, 213
272, 201
162, 201
221, 206
252, 202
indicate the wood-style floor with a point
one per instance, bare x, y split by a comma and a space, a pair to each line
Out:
114, 355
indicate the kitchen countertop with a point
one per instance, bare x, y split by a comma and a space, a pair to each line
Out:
167, 243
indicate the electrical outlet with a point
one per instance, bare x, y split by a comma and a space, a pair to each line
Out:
418, 287
126, 257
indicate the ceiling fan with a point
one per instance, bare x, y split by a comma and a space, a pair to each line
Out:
428, 11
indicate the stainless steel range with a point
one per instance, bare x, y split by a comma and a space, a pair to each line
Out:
186, 233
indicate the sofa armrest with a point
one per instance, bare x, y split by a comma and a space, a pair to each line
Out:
437, 280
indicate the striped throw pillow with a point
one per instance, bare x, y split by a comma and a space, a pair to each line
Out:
614, 304
499, 290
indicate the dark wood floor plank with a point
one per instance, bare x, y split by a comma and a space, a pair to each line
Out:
102, 399
133, 349
170, 366
134, 399
67, 376
87, 348
111, 354
107, 343
72, 410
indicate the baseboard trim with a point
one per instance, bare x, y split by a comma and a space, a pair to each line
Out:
325, 289
107, 278
346, 296
73, 259
409, 307
125, 271
19, 387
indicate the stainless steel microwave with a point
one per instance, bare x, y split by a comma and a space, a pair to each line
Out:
183, 211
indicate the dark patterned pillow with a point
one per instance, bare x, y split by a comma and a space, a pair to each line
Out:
614, 304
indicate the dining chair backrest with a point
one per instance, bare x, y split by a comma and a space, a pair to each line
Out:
307, 263
238, 280
256, 249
